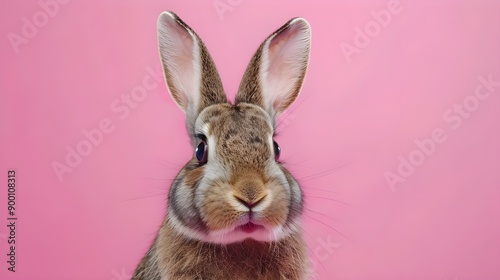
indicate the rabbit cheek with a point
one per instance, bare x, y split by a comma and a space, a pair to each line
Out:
296, 203
193, 177
181, 199
216, 210
276, 213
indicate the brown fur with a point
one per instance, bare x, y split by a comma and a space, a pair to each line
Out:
241, 133
249, 90
249, 260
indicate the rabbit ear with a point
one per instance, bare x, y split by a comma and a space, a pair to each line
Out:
190, 73
275, 74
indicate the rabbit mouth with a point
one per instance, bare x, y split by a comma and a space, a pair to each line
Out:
246, 229
249, 227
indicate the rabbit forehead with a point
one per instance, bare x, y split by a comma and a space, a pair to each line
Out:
241, 134
243, 119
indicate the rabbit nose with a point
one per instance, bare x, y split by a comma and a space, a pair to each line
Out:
249, 202
249, 191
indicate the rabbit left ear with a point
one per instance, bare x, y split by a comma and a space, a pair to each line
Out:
274, 77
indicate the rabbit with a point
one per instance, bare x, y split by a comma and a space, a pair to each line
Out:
233, 209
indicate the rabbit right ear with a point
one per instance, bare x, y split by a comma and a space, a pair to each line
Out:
190, 73
275, 74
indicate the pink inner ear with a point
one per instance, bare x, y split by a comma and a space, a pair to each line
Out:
184, 60
178, 57
287, 59
279, 48
179, 40
183, 44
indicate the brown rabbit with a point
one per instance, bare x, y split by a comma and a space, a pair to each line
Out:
233, 210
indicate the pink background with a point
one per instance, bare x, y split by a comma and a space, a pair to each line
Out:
352, 122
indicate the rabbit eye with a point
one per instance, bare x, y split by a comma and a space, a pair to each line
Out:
277, 150
202, 152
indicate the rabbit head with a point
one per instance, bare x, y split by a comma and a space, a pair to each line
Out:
234, 187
